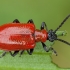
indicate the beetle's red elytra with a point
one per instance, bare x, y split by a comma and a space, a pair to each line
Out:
18, 36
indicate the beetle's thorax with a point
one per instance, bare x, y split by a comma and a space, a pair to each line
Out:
40, 35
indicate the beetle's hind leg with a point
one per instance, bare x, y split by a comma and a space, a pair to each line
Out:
21, 53
30, 51
16, 21
16, 52
3, 54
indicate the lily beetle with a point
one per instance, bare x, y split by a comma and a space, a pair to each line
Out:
18, 36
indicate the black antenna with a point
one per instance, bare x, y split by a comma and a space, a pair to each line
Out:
61, 23
63, 41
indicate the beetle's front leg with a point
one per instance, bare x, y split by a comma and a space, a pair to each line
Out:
43, 25
48, 49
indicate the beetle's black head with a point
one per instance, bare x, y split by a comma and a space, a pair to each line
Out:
52, 33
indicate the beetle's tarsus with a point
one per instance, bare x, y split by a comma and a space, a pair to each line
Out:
53, 51
16, 21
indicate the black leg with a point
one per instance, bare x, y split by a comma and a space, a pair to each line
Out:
21, 53
16, 21
15, 53
53, 51
10, 53
48, 49
30, 21
43, 25
3, 54
30, 51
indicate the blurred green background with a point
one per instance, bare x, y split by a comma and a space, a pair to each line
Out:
52, 12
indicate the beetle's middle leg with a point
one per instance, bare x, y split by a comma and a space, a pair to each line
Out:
30, 21
14, 54
30, 51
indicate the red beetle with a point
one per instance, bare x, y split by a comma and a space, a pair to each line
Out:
18, 36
